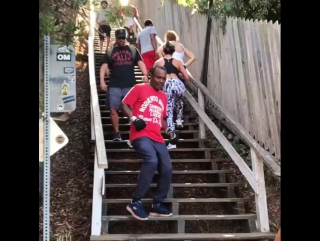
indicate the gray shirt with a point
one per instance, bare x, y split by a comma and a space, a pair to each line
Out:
145, 39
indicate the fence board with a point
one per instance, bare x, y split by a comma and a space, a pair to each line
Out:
243, 66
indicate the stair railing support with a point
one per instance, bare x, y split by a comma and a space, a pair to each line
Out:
100, 156
261, 194
202, 128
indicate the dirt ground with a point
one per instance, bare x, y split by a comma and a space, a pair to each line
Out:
70, 178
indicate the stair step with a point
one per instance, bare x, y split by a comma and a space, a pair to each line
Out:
126, 118
172, 160
124, 125
178, 185
185, 236
183, 217
180, 132
170, 150
184, 172
166, 140
181, 200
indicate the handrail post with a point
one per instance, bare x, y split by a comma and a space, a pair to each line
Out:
260, 194
202, 130
97, 192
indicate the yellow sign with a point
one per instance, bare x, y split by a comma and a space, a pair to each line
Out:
65, 89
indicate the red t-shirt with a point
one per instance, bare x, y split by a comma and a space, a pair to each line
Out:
149, 105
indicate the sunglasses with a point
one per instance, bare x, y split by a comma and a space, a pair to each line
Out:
122, 38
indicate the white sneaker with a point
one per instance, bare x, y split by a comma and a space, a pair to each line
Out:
170, 146
179, 123
129, 144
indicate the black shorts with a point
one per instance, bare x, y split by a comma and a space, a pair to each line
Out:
104, 29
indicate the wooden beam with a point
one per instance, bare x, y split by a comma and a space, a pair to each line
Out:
98, 131
202, 129
244, 168
92, 122
267, 158
98, 178
260, 196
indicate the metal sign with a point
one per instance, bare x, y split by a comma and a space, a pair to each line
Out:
57, 138
63, 78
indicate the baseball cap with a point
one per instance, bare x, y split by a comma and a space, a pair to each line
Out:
120, 33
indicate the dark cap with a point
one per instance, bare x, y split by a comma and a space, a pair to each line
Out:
120, 33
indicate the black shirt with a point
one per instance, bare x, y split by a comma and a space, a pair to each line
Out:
121, 66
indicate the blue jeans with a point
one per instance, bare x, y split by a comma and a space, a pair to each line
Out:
155, 157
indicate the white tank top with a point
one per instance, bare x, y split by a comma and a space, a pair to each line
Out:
179, 55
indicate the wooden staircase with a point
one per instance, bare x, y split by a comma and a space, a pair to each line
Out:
200, 194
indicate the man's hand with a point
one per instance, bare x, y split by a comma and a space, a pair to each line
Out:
138, 123
103, 86
145, 78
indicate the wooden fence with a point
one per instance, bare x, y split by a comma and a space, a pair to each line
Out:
243, 68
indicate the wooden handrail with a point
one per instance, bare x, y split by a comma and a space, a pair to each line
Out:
238, 129
98, 130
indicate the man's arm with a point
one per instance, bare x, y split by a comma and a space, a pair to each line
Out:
164, 125
140, 63
104, 69
139, 46
153, 34
143, 67
126, 110
129, 100
153, 41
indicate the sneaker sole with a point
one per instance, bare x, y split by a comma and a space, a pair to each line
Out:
134, 215
172, 147
160, 215
117, 139
130, 146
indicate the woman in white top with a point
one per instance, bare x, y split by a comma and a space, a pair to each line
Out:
179, 54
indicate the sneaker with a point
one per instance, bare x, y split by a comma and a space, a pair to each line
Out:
137, 211
129, 144
160, 211
117, 136
171, 146
179, 123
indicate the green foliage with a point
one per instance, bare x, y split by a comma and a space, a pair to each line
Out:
57, 18
112, 13
41, 102
247, 9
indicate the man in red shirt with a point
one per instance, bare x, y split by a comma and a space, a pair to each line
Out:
149, 110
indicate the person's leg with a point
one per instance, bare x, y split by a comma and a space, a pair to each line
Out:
101, 37
124, 92
144, 146
115, 97
108, 34
164, 181
179, 110
180, 90
169, 89
278, 235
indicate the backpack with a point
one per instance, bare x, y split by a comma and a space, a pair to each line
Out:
132, 48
